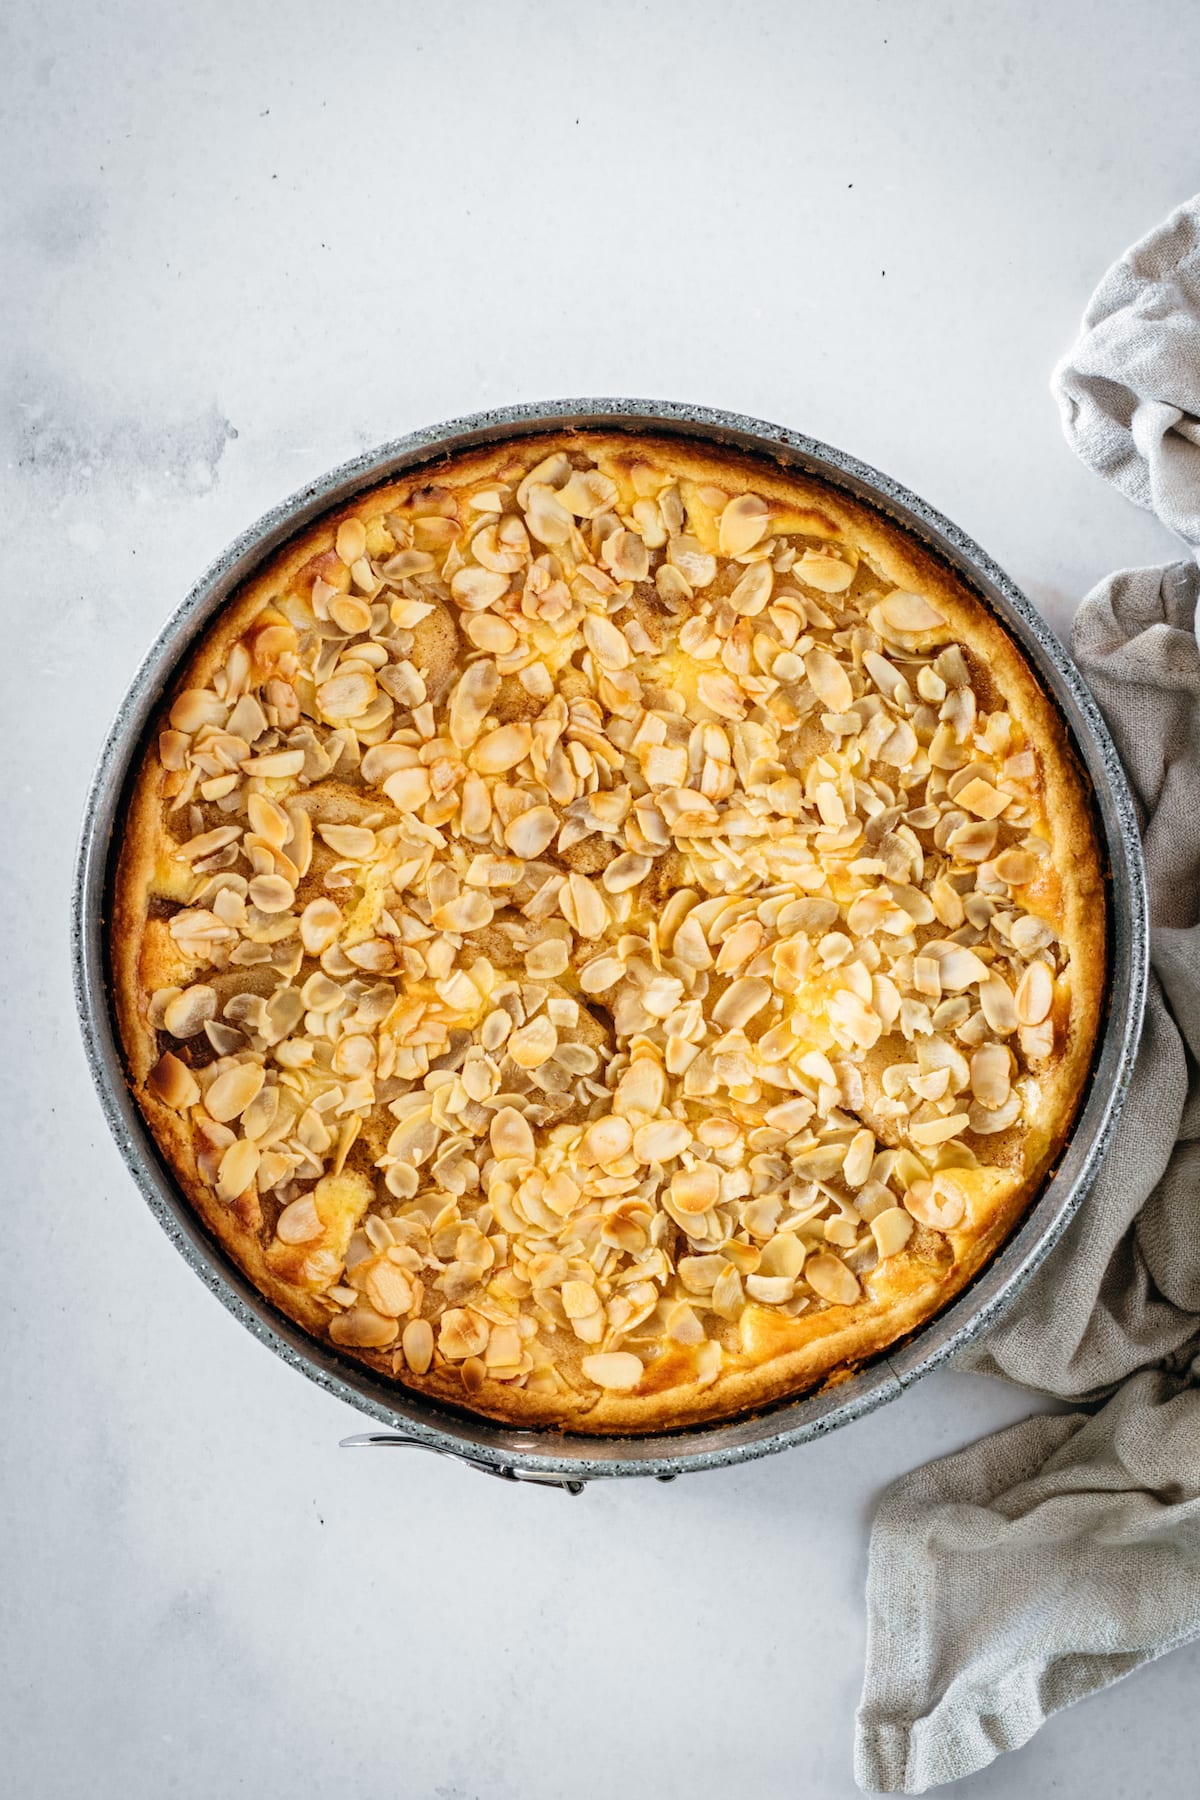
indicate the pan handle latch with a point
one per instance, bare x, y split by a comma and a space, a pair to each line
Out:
502, 1471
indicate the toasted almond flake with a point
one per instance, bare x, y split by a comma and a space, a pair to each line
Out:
859, 1158
351, 541
696, 1190
184, 1015
744, 523
232, 1092
940, 1130
829, 1277
791, 1116
502, 749
545, 961
462, 1333
238, 1167
530, 832
353, 841
615, 1370
475, 589
347, 694
822, 570
172, 1082
1030, 934
320, 923
625, 872
752, 592
960, 968
939, 1203
276, 765
626, 555
770, 1290
299, 1222
741, 1001
510, 1135
891, 1230
196, 707
389, 1289
533, 1044
829, 680
362, 1328
987, 1121
661, 1140
579, 1299
583, 906
722, 695
1016, 867
206, 842
905, 612
982, 799
1035, 994
606, 643
991, 1075
417, 1343
272, 894
487, 631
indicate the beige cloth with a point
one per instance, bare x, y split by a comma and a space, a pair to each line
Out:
1045, 1562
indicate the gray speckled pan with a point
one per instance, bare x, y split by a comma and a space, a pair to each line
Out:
552, 1457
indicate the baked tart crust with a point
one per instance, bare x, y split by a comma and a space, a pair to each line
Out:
608, 932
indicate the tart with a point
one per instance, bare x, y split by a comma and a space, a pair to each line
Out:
608, 932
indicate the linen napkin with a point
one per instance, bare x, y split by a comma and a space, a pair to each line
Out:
1043, 1563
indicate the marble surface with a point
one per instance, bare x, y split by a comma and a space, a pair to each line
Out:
239, 244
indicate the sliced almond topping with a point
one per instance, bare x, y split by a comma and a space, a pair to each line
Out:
744, 523
530, 832
618, 1370
940, 1130
827, 573
891, 1230
362, 1328
232, 1092
905, 612
696, 1190
172, 1082
320, 923
417, 1344
347, 694
475, 589
272, 894
722, 695
939, 1203
185, 1015
991, 1075
608, 645
533, 1044
511, 1135
1016, 867
1035, 994
583, 906
351, 540
502, 749
829, 1277
237, 1170
661, 1140
352, 841
829, 680
300, 1222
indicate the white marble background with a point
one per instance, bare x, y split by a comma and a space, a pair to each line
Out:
240, 243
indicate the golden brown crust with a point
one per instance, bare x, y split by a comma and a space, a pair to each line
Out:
777, 1356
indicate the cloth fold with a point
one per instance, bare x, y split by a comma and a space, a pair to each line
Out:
1043, 1563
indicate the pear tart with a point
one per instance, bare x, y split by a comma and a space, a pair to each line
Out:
608, 933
